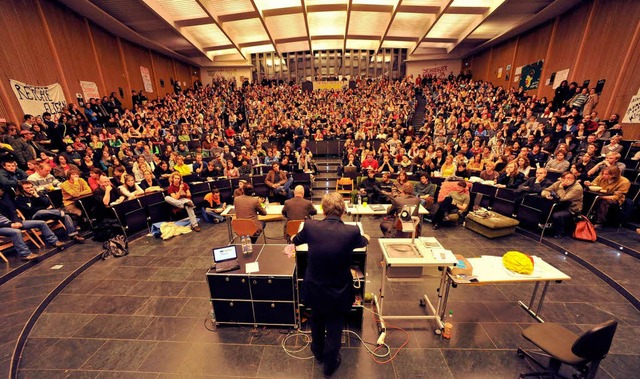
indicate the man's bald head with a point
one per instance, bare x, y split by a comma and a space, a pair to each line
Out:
298, 191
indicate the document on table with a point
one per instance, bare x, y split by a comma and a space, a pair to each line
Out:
252, 267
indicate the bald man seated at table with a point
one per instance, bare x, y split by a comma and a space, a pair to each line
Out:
298, 208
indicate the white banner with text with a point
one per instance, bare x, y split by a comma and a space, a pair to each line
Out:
35, 100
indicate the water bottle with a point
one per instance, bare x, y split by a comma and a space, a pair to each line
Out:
246, 243
266, 202
448, 326
359, 199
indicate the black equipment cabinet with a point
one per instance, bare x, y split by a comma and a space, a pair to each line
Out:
266, 297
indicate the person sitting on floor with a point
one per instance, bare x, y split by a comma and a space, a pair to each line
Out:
180, 197
212, 206
457, 201
36, 207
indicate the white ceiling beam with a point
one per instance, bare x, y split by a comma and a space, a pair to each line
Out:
386, 31
346, 27
443, 8
166, 16
216, 20
305, 15
475, 24
264, 25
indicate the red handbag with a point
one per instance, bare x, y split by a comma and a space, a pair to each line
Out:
584, 230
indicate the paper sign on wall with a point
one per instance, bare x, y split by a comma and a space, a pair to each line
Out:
146, 79
560, 76
633, 111
89, 90
500, 72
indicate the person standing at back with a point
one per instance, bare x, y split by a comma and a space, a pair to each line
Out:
328, 288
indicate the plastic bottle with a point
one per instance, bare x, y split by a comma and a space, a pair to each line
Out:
359, 199
266, 202
448, 326
246, 244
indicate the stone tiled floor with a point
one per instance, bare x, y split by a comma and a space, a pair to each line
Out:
147, 316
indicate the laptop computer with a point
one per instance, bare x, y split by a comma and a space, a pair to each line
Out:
226, 258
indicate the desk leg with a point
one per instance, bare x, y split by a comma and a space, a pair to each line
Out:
529, 308
229, 230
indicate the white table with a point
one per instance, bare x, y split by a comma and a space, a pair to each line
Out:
425, 252
489, 269
356, 211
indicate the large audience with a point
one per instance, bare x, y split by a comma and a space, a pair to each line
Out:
471, 130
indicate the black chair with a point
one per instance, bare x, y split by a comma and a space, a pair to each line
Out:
488, 193
132, 216
199, 191
504, 202
533, 211
584, 352
259, 187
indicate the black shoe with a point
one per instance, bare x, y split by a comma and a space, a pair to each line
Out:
597, 226
329, 370
435, 226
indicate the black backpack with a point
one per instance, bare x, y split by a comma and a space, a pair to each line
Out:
117, 246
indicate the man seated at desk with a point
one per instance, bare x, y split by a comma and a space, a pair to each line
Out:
248, 206
298, 208
328, 284
407, 197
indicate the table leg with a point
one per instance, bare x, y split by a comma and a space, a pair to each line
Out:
529, 308
229, 230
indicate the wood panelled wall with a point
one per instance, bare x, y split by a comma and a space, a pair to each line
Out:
598, 39
43, 42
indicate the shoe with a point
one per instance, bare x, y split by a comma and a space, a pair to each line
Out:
189, 204
196, 228
329, 370
445, 218
216, 221
435, 226
30, 257
78, 238
59, 244
597, 226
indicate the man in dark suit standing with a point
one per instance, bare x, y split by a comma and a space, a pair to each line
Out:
248, 206
328, 282
397, 203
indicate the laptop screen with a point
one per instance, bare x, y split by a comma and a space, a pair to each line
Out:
221, 254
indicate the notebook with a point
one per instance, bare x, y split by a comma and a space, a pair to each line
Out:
226, 258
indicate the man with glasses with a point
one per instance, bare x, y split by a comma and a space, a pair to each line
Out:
567, 192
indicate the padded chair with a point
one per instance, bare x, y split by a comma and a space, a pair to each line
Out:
583, 352
344, 186
245, 227
292, 229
